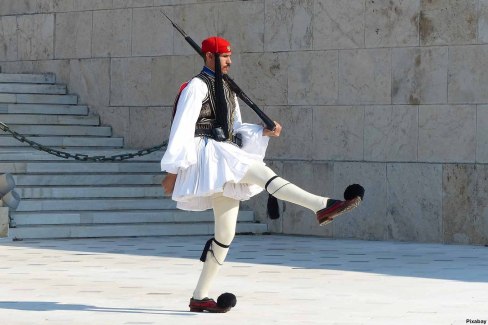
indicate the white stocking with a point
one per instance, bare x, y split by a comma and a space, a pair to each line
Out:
281, 189
225, 215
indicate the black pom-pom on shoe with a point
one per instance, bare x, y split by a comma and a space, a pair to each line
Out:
353, 191
226, 300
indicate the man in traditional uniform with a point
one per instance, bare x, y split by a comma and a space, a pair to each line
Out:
214, 161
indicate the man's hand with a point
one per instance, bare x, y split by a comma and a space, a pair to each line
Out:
275, 133
168, 183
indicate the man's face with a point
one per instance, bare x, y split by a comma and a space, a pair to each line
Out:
225, 61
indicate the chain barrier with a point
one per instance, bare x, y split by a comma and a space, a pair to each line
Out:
81, 157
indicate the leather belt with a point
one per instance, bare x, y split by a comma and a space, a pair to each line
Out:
210, 133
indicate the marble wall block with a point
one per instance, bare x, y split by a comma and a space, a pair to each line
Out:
419, 75
43, 6
132, 3
244, 30
264, 77
482, 203
447, 133
198, 20
296, 137
118, 118
59, 5
16, 7
450, 22
174, 2
133, 81
16, 66
8, 38
392, 23
151, 35
59, 67
468, 74
483, 22
73, 35
35, 37
482, 134
462, 221
147, 81
369, 220
288, 25
93, 4
112, 33
316, 178
149, 126
338, 133
414, 202
338, 24
313, 78
365, 76
90, 79
391, 133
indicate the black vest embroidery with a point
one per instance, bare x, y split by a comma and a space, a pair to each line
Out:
207, 117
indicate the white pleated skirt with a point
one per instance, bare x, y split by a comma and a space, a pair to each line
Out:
219, 168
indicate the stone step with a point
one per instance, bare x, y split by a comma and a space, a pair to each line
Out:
65, 142
44, 78
21, 88
10, 98
95, 204
117, 217
40, 119
70, 192
61, 130
75, 167
44, 109
123, 230
92, 180
30, 154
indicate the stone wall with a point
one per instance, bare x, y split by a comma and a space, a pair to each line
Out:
391, 94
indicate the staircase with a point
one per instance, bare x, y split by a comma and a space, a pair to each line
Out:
72, 199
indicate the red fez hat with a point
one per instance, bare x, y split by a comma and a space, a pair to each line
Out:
215, 44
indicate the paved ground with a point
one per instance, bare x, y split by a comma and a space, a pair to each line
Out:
277, 280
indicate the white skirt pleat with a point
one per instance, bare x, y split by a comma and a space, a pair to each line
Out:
219, 168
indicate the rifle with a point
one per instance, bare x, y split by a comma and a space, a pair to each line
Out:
232, 84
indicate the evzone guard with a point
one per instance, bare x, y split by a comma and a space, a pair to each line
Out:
214, 161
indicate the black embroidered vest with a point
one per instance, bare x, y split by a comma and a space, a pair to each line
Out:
207, 117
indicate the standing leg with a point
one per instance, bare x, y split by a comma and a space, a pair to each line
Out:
225, 215
326, 209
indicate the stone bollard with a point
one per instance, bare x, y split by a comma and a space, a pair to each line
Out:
7, 184
11, 200
4, 222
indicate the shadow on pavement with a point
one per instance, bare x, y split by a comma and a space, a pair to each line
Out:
436, 261
56, 306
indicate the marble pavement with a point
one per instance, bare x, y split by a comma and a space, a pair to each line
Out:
277, 279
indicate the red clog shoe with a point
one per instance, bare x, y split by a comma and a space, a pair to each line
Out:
335, 208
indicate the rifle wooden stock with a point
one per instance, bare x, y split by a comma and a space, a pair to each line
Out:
267, 121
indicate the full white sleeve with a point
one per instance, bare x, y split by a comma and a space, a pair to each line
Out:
181, 150
253, 140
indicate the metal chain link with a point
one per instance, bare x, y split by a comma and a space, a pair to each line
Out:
66, 155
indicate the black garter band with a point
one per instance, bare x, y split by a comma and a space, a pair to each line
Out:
269, 181
207, 248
